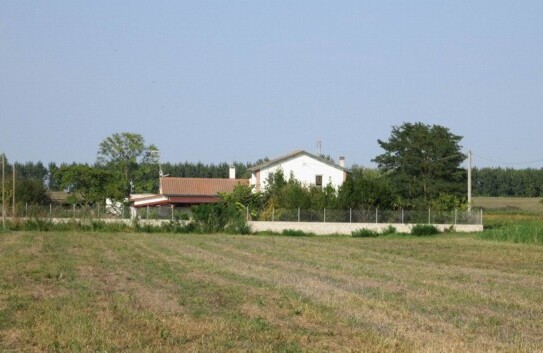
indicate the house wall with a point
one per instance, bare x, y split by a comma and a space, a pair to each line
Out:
304, 169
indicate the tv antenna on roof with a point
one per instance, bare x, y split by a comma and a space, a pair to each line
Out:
319, 147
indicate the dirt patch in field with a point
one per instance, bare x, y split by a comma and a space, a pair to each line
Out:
11, 338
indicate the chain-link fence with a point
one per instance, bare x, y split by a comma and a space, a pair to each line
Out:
66, 211
168, 212
97, 211
369, 216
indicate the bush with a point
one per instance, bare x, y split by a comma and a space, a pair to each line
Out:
220, 217
364, 233
296, 233
389, 230
424, 230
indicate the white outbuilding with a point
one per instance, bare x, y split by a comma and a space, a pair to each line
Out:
304, 167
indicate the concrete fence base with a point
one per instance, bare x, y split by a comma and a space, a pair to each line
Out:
348, 228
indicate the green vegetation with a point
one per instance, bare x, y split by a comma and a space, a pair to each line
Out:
126, 292
507, 182
529, 232
364, 233
424, 230
517, 227
423, 165
219, 217
296, 233
368, 233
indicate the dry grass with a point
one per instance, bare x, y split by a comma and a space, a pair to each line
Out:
211, 293
515, 204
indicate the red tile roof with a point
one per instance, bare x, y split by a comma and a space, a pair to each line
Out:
198, 186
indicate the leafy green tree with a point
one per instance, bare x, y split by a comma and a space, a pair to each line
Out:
31, 191
366, 188
244, 196
31, 170
90, 184
422, 162
131, 161
29, 186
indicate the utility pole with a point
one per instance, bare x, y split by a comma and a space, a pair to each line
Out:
13, 206
469, 180
13, 212
3, 192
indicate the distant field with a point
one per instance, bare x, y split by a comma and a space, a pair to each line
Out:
526, 204
87, 292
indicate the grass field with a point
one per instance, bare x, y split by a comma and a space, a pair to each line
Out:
512, 204
97, 292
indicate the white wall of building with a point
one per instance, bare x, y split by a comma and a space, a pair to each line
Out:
305, 169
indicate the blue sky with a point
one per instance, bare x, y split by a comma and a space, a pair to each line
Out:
217, 81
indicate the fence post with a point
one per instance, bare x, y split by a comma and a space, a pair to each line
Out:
298, 214
73, 208
147, 216
376, 215
455, 215
481, 217
273, 214
350, 215
26, 209
172, 211
324, 216
403, 219
429, 216
50, 210
247, 213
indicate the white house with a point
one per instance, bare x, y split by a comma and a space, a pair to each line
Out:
305, 167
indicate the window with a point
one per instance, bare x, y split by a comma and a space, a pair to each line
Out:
318, 181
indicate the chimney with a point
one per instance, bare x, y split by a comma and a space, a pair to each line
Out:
232, 174
342, 162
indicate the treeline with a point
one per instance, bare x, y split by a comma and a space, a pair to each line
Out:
201, 170
51, 175
94, 182
507, 182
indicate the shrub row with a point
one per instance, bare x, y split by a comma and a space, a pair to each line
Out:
418, 230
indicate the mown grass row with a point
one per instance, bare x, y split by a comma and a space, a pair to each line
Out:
125, 292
